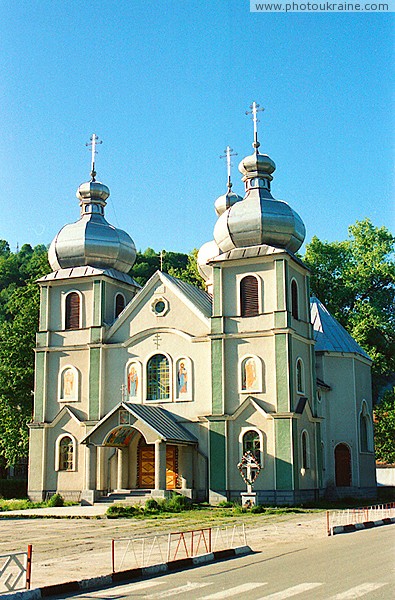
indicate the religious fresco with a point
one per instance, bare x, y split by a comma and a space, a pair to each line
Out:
121, 436
133, 380
69, 385
182, 378
249, 375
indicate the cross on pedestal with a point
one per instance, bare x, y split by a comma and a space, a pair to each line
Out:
255, 108
228, 153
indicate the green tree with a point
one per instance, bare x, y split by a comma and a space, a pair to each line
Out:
384, 428
190, 272
355, 279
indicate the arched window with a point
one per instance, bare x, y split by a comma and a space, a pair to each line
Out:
72, 313
365, 430
252, 443
65, 454
158, 378
119, 304
249, 296
305, 451
299, 376
294, 299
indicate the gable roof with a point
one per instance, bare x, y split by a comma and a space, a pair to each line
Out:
329, 335
201, 299
157, 418
87, 271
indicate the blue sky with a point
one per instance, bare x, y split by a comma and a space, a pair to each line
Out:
166, 84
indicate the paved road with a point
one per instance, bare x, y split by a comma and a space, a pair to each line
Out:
343, 567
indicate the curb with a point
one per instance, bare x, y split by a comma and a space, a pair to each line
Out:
130, 575
359, 526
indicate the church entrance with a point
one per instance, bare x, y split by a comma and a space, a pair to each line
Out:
146, 466
342, 465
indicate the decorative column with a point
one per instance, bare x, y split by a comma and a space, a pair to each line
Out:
121, 452
160, 469
88, 494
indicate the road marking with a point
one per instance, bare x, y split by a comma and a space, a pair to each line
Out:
180, 590
240, 589
292, 591
358, 591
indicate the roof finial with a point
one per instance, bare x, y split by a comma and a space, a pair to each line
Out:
93, 141
228, 153
254, 110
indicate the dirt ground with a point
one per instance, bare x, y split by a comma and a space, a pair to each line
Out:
70, 549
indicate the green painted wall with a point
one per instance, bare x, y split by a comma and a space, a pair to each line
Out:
217, 300
43, 309
280, 284
282, 384
319, 454
39, 387
97, 302
94, 380
218, 455
217, 376
295, 440
284, 468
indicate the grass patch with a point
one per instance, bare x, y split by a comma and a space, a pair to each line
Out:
24, 503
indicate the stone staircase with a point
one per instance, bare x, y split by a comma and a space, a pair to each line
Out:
126, 497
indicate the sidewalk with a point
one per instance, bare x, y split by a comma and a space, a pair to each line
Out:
97, 510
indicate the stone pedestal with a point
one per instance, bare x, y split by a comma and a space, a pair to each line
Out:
248, 499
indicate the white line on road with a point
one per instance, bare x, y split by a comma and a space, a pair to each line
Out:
358, 591
292, 591
189, 587
127, 588
240, 589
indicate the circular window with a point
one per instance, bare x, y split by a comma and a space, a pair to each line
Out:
159, 307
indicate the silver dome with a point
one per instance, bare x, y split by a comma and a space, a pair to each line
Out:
226, 201
92, 240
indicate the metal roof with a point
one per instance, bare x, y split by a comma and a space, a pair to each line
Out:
254, 252
162, 421
88, 271
329, 335
201, 299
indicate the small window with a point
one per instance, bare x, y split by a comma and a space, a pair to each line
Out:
249, 298
72, 320
66, 454
158, 378
119, 304
299, 377
305, 451
252, 443
294, 299
365, 430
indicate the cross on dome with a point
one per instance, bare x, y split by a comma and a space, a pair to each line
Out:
93, 141
255, 108
228, 153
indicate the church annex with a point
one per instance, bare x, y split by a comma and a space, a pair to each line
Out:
160, 388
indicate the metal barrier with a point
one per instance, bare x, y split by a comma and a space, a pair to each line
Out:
352, 516
129, 553
15, 571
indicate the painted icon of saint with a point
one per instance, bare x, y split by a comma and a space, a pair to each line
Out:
68, 384
182, 379
133, 381
249, 375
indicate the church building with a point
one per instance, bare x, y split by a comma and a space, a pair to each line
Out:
145, 391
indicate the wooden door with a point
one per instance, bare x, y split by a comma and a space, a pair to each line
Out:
171, 470
342, 465
147, 466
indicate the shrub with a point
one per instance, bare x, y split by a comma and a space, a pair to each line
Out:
13, 488
56, 500
226, 504
176, 503
151, 505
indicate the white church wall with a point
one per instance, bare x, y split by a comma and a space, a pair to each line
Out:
57, 362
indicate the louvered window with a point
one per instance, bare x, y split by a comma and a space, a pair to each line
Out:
72, 311
119, 304
249, 296
294, 300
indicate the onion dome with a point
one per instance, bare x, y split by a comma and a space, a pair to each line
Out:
259, 218
225, 201
207, 252
92, 240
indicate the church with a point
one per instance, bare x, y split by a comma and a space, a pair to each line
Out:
160, 389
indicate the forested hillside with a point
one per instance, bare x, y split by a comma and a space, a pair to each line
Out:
354, 278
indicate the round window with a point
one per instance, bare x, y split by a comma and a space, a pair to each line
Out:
159, 307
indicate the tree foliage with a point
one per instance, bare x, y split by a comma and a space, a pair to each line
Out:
384, 428
355, 279
19, 303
